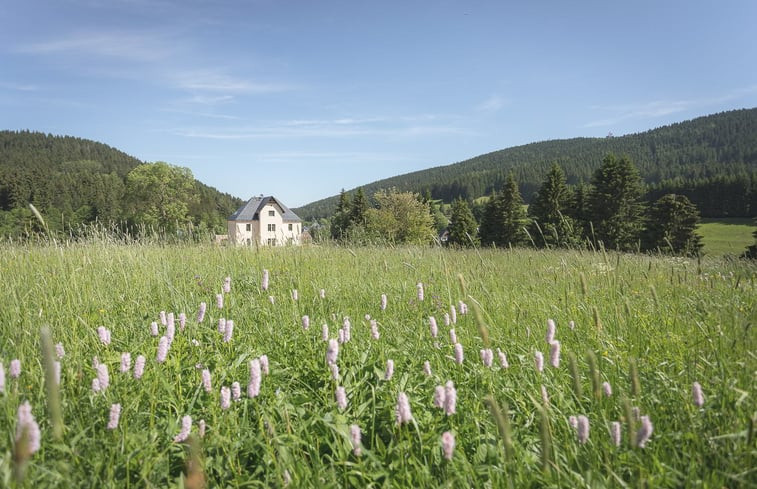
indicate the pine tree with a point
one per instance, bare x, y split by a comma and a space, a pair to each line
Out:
462, 225
358, 208
614, 207
490, 230
513, 217
671, 226
341, 219
551, 223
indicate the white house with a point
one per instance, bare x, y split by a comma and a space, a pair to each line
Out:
264, 221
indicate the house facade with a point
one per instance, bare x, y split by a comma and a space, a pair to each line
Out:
264, 221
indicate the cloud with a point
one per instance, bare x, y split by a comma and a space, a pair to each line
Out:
492, 104
19, 87
134, 46
218, 81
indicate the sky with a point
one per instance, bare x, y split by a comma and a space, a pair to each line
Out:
299, 99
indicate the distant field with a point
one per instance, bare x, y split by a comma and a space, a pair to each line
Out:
726, 235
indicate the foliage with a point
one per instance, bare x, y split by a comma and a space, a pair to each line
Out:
463, 230
671, 226
159, 195
712, 160
341, 219
674, 318
401, 218
551, 224
504, 218
76, 182
614, 204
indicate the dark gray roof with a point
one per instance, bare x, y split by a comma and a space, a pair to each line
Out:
250, 210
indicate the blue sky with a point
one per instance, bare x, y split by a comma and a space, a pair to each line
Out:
299, 99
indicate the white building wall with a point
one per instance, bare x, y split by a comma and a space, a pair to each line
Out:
268, 230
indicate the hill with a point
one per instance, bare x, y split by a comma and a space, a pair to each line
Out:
712, 160
75, 181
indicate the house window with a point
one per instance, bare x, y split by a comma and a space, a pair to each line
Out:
290, 227
271, 241
271, 213
248, 227
272, 227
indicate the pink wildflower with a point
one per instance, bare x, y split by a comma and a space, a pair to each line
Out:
583, 429
402, 411
448, 445
96, 385
219, 301
452, 336
420, 291
227, 285
341, 398
228, 331
264, 282
644, 432
459, 353
696, 394
322, 293
554, 354
615, 433
463, 307
450, 398
139, 367
272, 300
332, 352
347, 327
453, 314
153, 329
59, 351
539, 361
162, 349
305, 322
15, 368
572, 325
383, 302
25, 422
201, 428
340, 335
487, 357
104, 335
374, 330
427, 368
221, 325
439, 396
236, 391
325, 332
355, 438
253, 388
334, 371
225, 398
201, 312
573, 421
550, 331
544, 395
125, 362
102, 376
607, 389
389, 370
115, 415
434, 328
186, 428
446, 319
502, 359
206, 383
162, 317
182, 321
295, 295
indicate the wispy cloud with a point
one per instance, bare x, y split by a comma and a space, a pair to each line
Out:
135, 46
19, 87
492, 104
661, 108
218, 81
336, 128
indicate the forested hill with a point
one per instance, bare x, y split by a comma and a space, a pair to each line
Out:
711, 159
75, 181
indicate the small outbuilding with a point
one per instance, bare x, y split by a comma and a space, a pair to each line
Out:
264, 221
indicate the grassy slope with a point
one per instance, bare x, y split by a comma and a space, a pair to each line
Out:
726, 236
681, 326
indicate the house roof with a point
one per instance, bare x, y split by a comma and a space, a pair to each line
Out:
251, 210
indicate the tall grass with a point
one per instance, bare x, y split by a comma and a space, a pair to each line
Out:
649, 326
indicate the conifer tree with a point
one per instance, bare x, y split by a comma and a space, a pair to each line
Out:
513, 217
671, 226
462, 225
551, 223
614, 207
341, 219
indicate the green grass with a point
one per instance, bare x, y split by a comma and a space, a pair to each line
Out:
678, 322
723, 236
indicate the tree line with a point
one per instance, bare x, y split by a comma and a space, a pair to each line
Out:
75, 183
711, 160
608, 213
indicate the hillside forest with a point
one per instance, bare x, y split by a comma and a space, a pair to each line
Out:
711, 160
75, 182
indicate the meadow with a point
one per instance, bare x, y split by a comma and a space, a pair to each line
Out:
635, 333
724, 235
